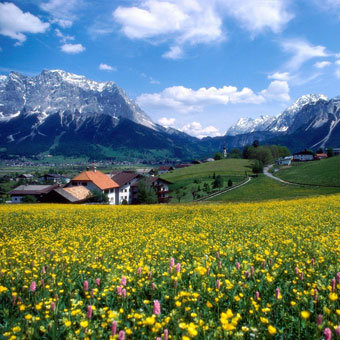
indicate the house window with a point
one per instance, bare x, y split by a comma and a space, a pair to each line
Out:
84, 184
125, 190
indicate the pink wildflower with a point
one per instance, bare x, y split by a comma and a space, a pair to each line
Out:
166, 334
218, 284
139, 271
172, 262
86, 285
156, 307
121, 335
123, 281
89, 312
238, 265
98, 281
333, 284
277, 293
124, 293
119, 290
178, 267
114, 328
319, 320
327, 334
52, 306
33, 287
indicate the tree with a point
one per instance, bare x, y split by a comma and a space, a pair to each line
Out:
257, 167
330, 152
235, 153
256, 143
98, 196
218, 182
230, 183
218, 156
206, 187
194, 191
29, 199
146, 193
320, 150
245, 152
179, 194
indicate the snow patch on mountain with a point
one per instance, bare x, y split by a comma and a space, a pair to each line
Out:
246, 125
280, 123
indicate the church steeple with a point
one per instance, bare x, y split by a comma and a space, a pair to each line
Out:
225, 151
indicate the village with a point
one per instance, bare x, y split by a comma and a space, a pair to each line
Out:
121, 186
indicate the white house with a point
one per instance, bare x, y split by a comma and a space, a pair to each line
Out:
38, 191
125, 179
96, 180
284, 160
303, 156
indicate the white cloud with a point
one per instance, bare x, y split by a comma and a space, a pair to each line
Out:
302, 51
14, 22
63, 11
175, 52
197, 130
167, 122
190, 21
105, 67
256, 16
63, 38
184, 100
72, 48
279, 76
198, 21
277, 90
322, 64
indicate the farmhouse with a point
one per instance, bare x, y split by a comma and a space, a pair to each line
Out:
284, 160
163, 169
55, 178
161, 187
303, 156
125, 179
38, 191
25, 177
96, 180
321, 156
77, 194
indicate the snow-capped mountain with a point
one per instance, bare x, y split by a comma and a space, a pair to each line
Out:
311, 122
57, 91
62, 113
247, 125
281, 123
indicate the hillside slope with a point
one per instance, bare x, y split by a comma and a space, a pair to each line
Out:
324, 172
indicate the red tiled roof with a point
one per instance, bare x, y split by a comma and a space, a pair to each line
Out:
99, 179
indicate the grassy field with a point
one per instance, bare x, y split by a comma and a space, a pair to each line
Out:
323, 172
266, 270
197, 175
263, 188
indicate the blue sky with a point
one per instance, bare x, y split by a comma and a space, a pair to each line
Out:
196, 65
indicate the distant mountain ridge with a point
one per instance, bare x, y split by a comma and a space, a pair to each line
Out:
280, 123
61, 113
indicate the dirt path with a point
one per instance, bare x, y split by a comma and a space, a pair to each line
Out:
223, 191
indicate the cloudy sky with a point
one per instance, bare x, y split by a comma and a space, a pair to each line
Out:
196, 65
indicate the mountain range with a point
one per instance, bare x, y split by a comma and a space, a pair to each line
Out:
60, 113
